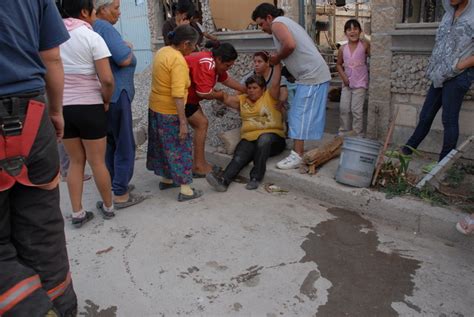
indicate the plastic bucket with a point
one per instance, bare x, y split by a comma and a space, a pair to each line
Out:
357, 161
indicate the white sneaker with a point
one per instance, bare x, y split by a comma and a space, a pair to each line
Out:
292, 161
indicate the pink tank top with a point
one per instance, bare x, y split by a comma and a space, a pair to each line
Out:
355, 66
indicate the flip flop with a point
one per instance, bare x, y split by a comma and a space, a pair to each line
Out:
133, 199
466, 226
196, 194
164, 186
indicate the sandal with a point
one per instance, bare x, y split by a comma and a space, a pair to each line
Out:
105, 214
216, 169
196, 193
163, 186
198, 175
466, 226
133, 199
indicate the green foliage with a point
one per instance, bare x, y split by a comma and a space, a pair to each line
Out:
396, 176
457, 173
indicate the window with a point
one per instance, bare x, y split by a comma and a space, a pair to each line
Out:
419, 11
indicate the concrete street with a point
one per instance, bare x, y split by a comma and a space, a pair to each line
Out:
254, 253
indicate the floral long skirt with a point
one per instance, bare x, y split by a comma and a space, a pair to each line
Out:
168, 156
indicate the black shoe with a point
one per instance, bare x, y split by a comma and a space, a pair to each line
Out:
78, 222
405, 150
216, 182
163, 186
253, 184
196, 194
105, 214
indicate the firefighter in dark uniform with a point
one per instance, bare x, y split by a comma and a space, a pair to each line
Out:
34, 267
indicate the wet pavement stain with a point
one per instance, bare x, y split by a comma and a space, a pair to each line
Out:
92, 310
307, 288
365, 281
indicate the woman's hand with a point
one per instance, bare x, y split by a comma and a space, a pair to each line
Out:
183, 131
345, 81
465, 63
274, 59
106, 106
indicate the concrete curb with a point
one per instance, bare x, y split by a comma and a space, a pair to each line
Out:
403, 213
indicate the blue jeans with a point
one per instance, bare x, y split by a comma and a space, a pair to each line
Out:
450, 97
120, 153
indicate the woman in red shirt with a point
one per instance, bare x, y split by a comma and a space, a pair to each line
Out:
206, 69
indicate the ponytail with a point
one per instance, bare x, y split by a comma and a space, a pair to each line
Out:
265, 9
225, 51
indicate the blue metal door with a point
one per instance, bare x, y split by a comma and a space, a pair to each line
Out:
133, 25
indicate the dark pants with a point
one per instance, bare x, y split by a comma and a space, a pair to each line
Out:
120, 154
268, 144
450, 97
32, 241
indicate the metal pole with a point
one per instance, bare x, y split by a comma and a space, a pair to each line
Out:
333, 24
301, 14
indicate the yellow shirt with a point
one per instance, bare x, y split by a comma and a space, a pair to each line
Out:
260, 117
170, 79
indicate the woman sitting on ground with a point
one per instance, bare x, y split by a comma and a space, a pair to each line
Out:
262, 131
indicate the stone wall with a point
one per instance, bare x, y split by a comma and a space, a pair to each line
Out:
408, 75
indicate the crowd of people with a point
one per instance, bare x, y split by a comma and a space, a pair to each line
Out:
75, 56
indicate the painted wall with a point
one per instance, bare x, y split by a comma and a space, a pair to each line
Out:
133, 26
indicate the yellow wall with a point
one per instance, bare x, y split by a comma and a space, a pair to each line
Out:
232, 14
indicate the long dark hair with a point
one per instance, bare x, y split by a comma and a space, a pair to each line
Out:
182, 34
225, 51
352, 23
183, 6
265, 9
73, 8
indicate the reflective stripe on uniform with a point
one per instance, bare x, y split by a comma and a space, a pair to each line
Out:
59, 290
18, 292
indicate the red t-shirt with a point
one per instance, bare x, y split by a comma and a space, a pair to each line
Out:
202, 70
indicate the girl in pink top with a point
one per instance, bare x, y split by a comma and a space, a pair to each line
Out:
352, 68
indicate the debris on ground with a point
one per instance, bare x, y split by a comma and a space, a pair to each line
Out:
272, 188
104, 251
